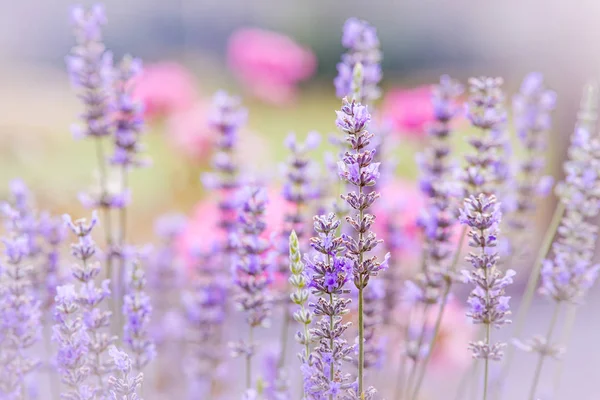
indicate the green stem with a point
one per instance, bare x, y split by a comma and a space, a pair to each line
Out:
361, 339
331, 341
415, 365
487, 364
565, 339
105, 210
538, 368
249, 358
440, 315
534, 277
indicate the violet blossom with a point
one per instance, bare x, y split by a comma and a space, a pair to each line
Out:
91, 298
362, 43
329, 272
532, 114
252, 271
20, 318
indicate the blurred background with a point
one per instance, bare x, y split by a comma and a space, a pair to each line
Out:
190, 50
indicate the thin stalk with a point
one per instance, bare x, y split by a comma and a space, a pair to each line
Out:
565, 339
415, 365
361, 323
284, 336
105, 210
331, 342
538, 368
438, 321
403, 358
487, 330
249, 358
532, 282
121, 240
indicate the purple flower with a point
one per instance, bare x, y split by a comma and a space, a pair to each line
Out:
129, 120
138, 311
20, 317
91, 298
487, 302
362, 43
123, 386
532, 108
90, 68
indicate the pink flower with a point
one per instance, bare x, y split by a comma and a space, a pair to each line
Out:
269, 64
164, 88
409, 110
189, 132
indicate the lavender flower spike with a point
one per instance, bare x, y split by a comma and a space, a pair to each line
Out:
329, 273
91, 298
358, 169
123, 387
20, 318
73, 345
137, 311
485, 111
129, 120
532, 108
360, 38
90, 68
488, 304
252, 271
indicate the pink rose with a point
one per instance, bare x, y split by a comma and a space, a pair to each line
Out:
189, 132
409, 110
164, 88
269, 64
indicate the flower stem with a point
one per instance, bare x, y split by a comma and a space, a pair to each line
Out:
487, 363
438, 321
249, 358
565, 339
105, 209
402, 361
361, 344
331, 341
415, 366
538, 368
534, 277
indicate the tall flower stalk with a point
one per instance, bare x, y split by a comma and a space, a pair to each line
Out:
362, 44
569, 273
329, 272
21, 319
488, 305
91, 298
358, 169
298, 191
586, 120
252, 272
90, 68
439, 184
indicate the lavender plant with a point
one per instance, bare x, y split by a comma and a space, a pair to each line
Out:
488, 305
124, 386
569, 273
96, 319
360, 38
329, 271
21, 319
252, 272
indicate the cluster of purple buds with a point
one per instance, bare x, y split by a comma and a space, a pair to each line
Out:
329, 273
90, 68
54, 232
532, 108
226, 118
488, 304
358, 169
439, 184
486, 112
123, 386
568, 275
204, 307
96, 318
20, 318
21, 218
73, 343
129, 120
362, 43
138, 311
